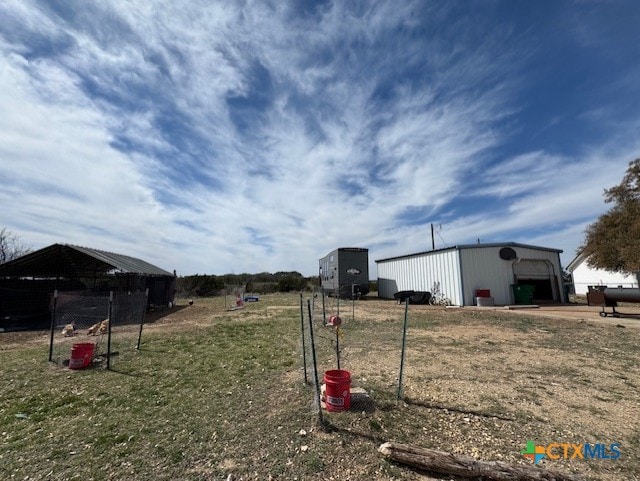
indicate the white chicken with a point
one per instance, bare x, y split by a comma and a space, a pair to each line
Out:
69, 330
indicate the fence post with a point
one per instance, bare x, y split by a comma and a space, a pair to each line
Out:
109, 330
315, 367
353, 302
404, 344
304, 348
324, 309
337, 328
53, 324
144, 309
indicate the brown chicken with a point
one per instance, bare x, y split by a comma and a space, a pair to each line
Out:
99, 328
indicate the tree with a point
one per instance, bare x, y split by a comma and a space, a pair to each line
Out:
613, 241
10, 246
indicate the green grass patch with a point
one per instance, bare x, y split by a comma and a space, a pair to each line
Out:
212, 393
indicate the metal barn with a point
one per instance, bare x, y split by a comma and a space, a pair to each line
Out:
459, 272
344, 271
28, 282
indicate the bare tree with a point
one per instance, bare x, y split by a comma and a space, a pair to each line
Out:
11, 247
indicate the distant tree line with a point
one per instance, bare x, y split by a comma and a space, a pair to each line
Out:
263, 283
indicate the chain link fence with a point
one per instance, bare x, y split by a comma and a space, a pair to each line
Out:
102, 329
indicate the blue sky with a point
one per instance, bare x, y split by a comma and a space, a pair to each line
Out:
217, 137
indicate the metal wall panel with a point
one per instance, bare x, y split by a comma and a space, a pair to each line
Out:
482, 268
462, 271
329, 271
420, 273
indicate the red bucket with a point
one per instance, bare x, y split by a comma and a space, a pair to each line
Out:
338, 389
81, 355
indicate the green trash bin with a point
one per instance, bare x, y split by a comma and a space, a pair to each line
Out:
523, 293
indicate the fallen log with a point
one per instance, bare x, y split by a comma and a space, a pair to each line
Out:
468, 467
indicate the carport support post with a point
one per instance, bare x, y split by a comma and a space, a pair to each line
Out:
53, 324
404, 345
304, 349
146, 297
109, 330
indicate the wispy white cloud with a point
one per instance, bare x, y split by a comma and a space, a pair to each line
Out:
213, 137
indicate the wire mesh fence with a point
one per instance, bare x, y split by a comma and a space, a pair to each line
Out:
233, 297
98, 329
350, 346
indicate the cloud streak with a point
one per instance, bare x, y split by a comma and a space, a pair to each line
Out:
220, 137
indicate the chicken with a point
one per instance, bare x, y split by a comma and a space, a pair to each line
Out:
69, 330
99, 327
104, 326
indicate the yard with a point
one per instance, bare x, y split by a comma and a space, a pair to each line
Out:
215, 394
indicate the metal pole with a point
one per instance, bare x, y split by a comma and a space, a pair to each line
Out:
304, 349
110, 321
353, 302
315, 365
404, 344
53, 324
433, 240
146, 296
324, 309
338, 345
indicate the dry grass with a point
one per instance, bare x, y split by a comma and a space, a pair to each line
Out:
213, 393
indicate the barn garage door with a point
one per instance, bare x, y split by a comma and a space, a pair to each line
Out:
538, 273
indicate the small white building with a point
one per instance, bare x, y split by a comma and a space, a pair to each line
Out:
584, 276
459, 271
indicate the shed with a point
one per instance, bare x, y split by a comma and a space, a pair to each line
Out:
459, 272
584, 276
27, 283
345, 271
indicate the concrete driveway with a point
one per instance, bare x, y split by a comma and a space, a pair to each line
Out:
629, 316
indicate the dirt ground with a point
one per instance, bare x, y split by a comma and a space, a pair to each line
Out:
481, 381
627, 315
477, 381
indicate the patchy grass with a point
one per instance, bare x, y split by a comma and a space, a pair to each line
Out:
215, 392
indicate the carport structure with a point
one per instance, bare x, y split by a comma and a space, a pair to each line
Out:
28, 282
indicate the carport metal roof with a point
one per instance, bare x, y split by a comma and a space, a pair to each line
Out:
64, 260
